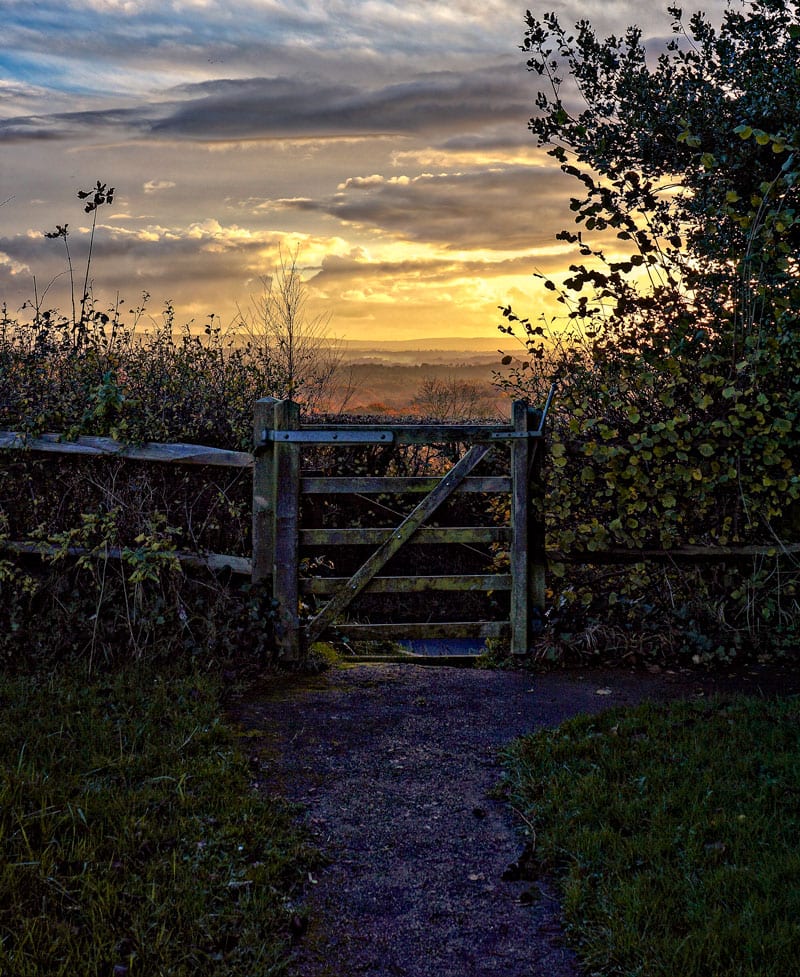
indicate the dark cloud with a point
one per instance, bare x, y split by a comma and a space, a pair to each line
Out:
71, 125
31, 130
503, 208
436, 104
169, 262
339, 272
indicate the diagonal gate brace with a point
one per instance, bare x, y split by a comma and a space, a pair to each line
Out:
399, 536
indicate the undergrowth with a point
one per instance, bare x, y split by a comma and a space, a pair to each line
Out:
131, 838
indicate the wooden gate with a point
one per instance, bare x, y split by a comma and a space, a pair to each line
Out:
281, 485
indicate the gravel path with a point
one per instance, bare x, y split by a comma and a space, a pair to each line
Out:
394, 767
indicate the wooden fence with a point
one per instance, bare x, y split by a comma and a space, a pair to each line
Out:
280, 485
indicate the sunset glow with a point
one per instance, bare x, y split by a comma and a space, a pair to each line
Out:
386, 141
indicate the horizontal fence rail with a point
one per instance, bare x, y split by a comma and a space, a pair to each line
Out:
678, 554
182, 454
216, 562
366, 485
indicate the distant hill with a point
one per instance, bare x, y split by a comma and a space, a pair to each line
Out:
436, 344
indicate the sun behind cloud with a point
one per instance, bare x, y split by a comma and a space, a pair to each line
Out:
387, 142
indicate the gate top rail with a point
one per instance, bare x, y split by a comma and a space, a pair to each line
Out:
387, 433
404, 433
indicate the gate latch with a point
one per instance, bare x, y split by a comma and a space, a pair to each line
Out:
519, 435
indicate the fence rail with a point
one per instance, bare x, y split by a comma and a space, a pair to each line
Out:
182, 454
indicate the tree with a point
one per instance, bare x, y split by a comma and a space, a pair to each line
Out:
305, 361
452, 399
679, 350
689, 162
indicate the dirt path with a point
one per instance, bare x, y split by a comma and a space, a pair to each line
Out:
394, 765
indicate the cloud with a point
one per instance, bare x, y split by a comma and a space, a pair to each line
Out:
13, 266
389, 138
156, 186
68, 125
438, 103
340, 272
478, 209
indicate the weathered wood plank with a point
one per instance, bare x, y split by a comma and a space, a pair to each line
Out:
285, 543
423, 631
404, 531
537, 549
680, 554
520, 514
263, 512
426, 535
239, 565
411, 585
183, 454
491, 484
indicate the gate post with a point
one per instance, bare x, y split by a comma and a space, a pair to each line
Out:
286, 500
263, 491
537, 553
527, 549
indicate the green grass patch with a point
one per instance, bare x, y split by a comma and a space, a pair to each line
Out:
675, 834
131, 839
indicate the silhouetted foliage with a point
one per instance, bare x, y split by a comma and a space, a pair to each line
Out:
678, 351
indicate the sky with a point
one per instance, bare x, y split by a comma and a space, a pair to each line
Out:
385, 142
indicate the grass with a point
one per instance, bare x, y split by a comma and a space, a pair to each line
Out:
131, 839
675, 834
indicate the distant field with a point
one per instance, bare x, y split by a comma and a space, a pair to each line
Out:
386, 375
436, 347
381, 383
